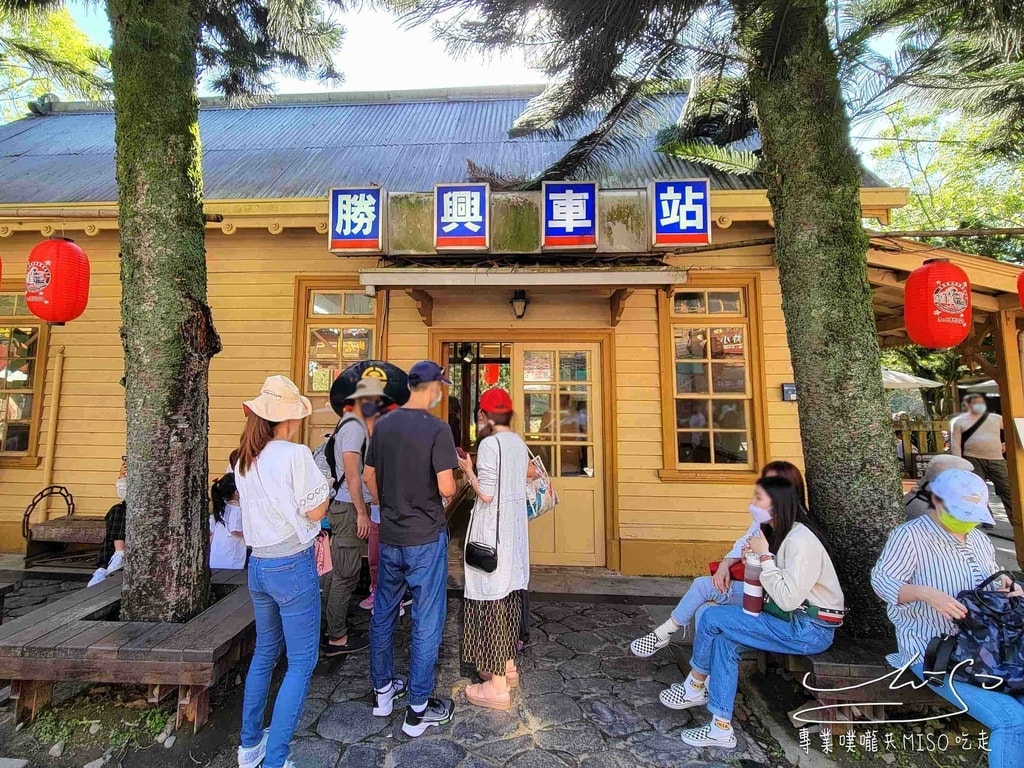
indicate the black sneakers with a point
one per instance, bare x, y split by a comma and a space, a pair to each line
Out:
384, 703
357, 641
438, 712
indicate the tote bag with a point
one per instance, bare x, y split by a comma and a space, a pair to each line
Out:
322, 553
540, 494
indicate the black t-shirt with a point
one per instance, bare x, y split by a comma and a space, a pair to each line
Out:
408, 449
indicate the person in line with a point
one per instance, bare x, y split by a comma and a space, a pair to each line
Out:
978, 437
919, 501
410, 473
284, 497
803, 607
227, 543
924, 565
494, 602
111, 555
350, 517
719, 589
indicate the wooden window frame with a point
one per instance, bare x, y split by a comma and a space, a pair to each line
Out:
30, 459
750, 284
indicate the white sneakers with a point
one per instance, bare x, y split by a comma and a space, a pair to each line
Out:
97, 576
685, 695
251, 757
711, 735
115, 564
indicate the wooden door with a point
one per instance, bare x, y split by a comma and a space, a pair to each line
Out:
557, 392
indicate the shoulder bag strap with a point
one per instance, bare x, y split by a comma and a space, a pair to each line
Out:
497, 524
968, 433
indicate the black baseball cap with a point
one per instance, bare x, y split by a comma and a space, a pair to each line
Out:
427, 371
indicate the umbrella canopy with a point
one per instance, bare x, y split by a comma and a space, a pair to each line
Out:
396, 383
985, 387
900, 380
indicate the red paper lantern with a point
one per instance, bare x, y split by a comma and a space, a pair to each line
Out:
57, 281
937, 305
1020, 288
491, 373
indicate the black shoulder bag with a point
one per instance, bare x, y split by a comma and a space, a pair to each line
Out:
481, 556
967, 434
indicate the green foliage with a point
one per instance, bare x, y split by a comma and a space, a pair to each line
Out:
953, 183
45, 52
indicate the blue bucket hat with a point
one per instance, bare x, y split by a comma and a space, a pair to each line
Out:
964, 495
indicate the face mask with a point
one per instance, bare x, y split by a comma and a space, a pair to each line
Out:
956, 526
760, 514
369, 409
121, 487
978, 408
436, 401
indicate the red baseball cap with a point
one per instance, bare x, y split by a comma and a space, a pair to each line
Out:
496, 400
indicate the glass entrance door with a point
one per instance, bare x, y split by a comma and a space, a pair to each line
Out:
557, 392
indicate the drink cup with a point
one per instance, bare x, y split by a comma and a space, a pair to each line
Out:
753, 593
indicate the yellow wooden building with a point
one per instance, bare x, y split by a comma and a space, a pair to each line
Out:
652, 383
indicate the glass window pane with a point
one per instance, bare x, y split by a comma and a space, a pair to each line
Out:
19, 407
692, 414
491, 351
730, 414
8, 301
574, 366
358, 304
691, 378
690, 343
729, 377
24, 341
320, 376
731, 448
323, 343
326, 303
21, 308
506, 350
538, 418
573, 407
727, 343
724, 302
538, 366
689, 304
574, 461
545, 452
694, 448
18, 374
356, 344
16, 439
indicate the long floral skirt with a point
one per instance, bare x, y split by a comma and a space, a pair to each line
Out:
490, 632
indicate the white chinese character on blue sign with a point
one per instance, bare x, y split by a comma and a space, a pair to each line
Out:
569, 214
682, 212
461, 216
356, 219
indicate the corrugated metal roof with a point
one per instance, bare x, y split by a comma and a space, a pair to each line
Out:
404, 142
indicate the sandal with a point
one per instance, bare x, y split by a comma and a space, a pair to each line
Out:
478, 696
511, 677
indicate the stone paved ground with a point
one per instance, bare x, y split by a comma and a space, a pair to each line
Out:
30, 594
585, 701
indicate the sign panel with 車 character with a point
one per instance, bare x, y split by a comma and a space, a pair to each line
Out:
681, 212
357, 220
462, 217
569, 215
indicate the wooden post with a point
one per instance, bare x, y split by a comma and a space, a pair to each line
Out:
1011, 393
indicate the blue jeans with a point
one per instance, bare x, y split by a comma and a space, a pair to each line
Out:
703, 591
425, 570
286, 602
723, 635
1001, 713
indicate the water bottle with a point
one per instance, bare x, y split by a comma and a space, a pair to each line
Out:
753, 593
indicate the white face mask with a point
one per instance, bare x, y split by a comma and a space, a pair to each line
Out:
760, 514
978, 408
121, 487
436, 401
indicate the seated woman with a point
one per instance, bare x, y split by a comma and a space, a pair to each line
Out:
719, 589
803, 607
919, 501
111, 555
925, 564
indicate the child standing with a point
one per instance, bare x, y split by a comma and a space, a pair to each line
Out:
227, 547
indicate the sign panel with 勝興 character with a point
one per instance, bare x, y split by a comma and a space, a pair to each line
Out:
357, 220
462, 217
569, 215
681, 212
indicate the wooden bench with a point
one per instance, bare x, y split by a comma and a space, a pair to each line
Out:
78, 638
850, 677
66, 539
5, 589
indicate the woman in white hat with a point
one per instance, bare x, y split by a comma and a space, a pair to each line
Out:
283, 497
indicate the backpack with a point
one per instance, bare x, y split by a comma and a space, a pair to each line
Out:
325, 458
989, 649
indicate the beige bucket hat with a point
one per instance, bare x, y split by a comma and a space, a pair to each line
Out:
279, 400
368, 386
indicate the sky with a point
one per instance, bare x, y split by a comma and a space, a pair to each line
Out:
377, 55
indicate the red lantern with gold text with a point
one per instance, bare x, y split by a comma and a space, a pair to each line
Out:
57, 281
937, 305
1020, 288
491, 373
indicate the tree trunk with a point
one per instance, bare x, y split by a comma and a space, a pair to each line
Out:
813, 180
167, 329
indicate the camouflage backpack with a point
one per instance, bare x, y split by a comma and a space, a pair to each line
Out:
989, 649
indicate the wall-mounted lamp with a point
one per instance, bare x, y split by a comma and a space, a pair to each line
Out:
519, 303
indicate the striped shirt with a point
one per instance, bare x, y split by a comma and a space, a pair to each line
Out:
924, 553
